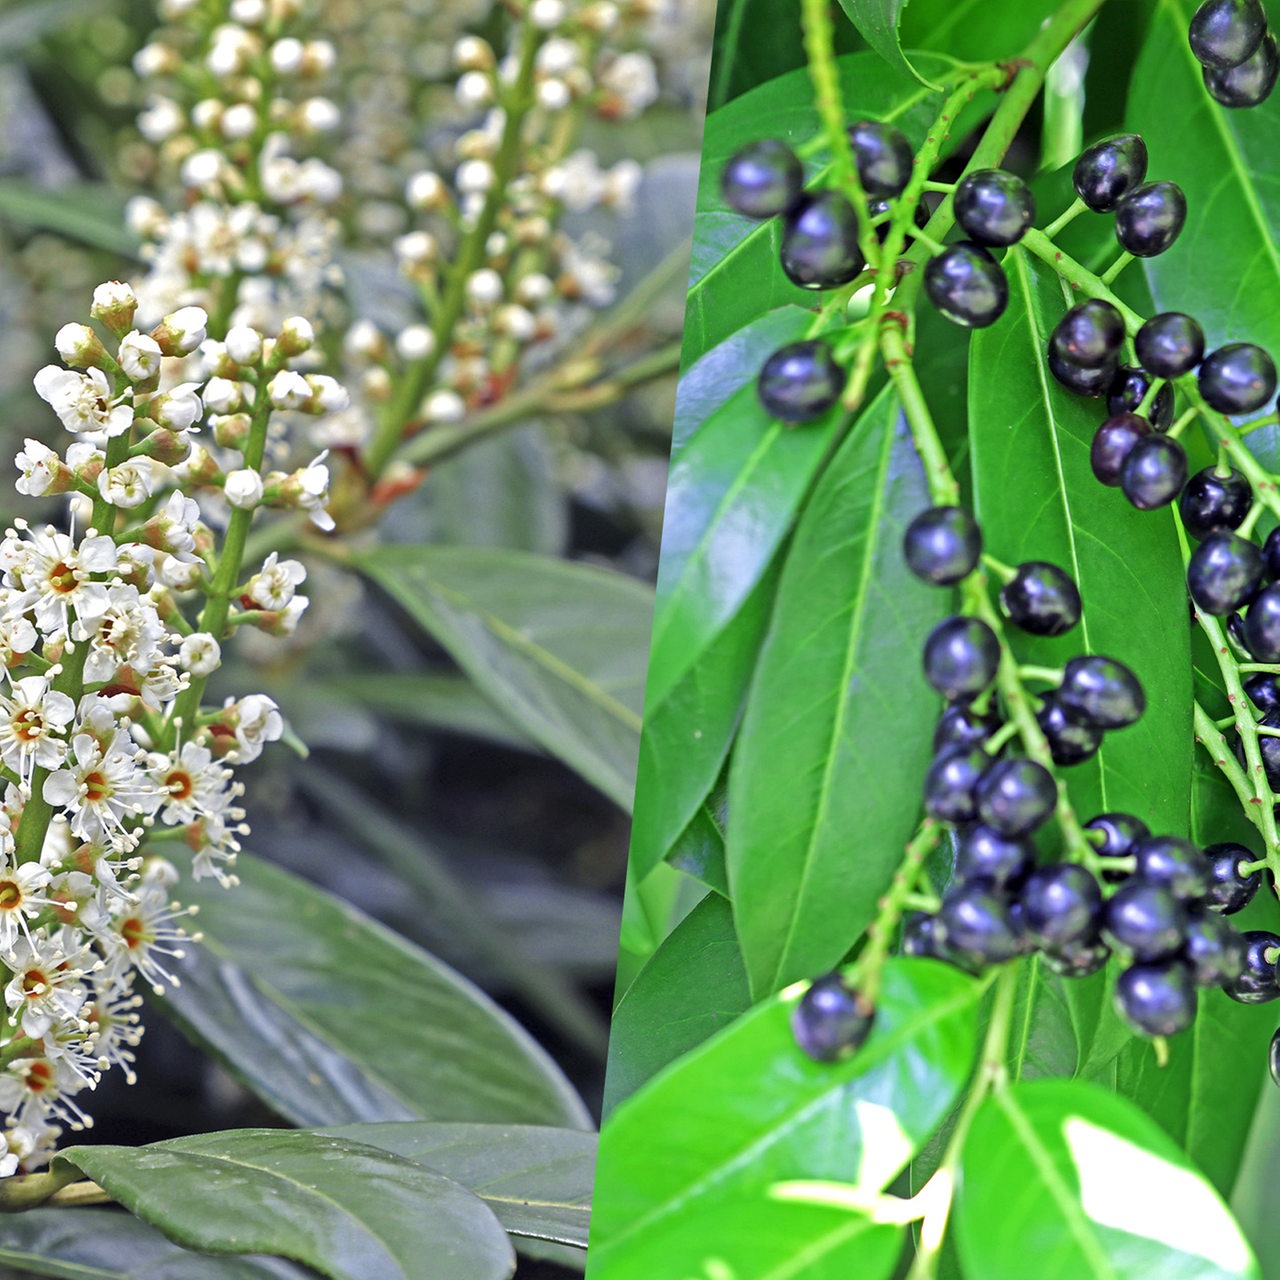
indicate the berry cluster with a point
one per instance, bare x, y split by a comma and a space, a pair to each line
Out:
1236, 51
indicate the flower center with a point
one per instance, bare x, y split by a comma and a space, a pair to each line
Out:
134, 932
10, 895
179, 784
39, 1076
62, 578
28, 725
35, 983
96, 787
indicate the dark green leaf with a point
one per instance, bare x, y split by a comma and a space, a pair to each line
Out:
348, 1210
692, 987
90, 214
537, 1180
971, 30
1066, 1178
330, 1018
878, 20
559, 647
838, 723
747, 1109
699, 849
101, 1244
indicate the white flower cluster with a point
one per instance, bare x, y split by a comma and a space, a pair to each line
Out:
105, 747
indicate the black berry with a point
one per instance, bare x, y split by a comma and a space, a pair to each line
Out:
993, 207
1229, 890
1213, 950
1127, 391
1237, 378
1169, 344
1090, 334
1109, 170
1078, 960
1261, 631
1145, 919
1015, 796
1113, 442
975, 922
1042, 599
1273, 1057
1224, 573
961, 725
1079, 378
1149, 219
920, 935
1264, 691
883, 156
762, 179
1174, 864
820, 242
1223, 33
801, 381
1061, 906
967, 285
1251, 82
960, 657
1271, 553
1211, 501
1269, 749
831, 1020
1154, 472
1070, 741
942, 545
1156, 999
1121, 831
984, 854
876, 208
1256, 983
1101, 692
950, 782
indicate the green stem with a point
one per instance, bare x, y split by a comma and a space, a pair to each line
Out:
18, 1194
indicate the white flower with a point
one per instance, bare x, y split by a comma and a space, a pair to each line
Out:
83, 401
257, 720
128, 632
186, 328
632, 77
46, 985
52, 573
273, 586
31, 724
328, 395
38, 465
244, 487
415, 342
18, 637
139, 356
200, 654
244, 344
8, 1159
222, 395
76, 343
177, 409
288, 390
172, 528
21, 899
312, 483
128, 485
101, 786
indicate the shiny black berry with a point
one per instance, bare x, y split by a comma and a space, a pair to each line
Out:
1113, 442
1174, 864
1271, 553
942, 545
1235, 634
1237, 378
1273, 1057
967, 285
920, 935
820, 242
1249, 84
1061, 906
1090, 334
950, 782
1101, 692
1264, 691
993, 207
1268, 749
1213, 950
975, 922
962, 726
876, 208
1224, 573
1015, 796
1169, 344
1109, 170
1145, 919
1229, 890
1154, 472
762, 179
1261, 632
1041, 598
1211, 502
984, 854
1257, 981
960, 657
883, 156
1070, 741
1223, 33
831, 1020
1126, 393
1121, 831
1156, 999
1150, 218
801, 381
1078, 960
1079, 378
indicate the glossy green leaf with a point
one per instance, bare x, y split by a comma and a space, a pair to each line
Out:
838, 726
699, 849
559, 647
877, 21
693, 986
1075, 1183
329, 1017
760, 1237
347, 1210
103, 1244
747, 1109
971, 30
537, 1180
1037, 499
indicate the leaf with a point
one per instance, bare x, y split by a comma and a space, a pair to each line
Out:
971, 30
1225, 266
878, 20
838, 721
747, 1109
329, 1017
756, 1237
699, 850
1080, 1180
1036, 498
348, 1210
559, 647
693, 986
537, 1180
104, 1244
89, 213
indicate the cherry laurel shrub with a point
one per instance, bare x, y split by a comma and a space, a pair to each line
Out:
380, 330
958, 758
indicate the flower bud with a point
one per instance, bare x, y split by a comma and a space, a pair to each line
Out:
231, 430
182, 332
114, 304
79, 346
296, 336
288, 390
178, 409
165, 446
200, 654
222, 395
243, 488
